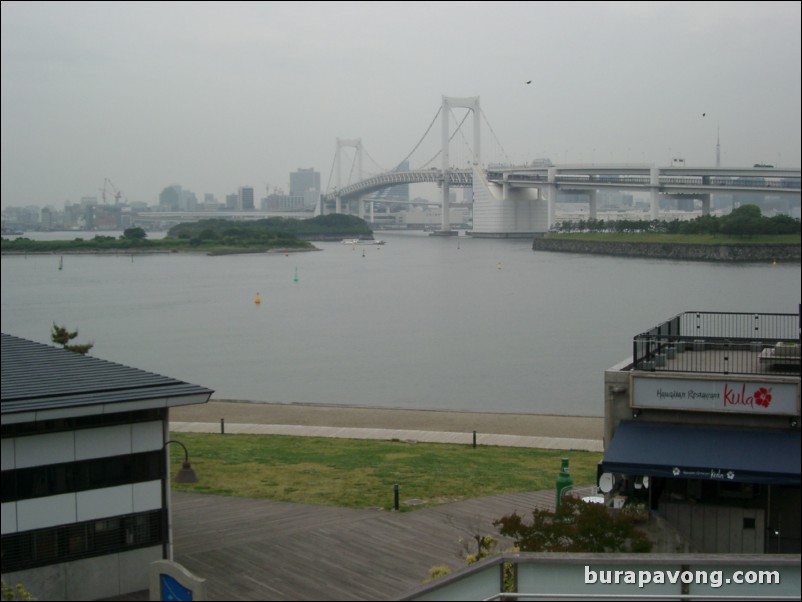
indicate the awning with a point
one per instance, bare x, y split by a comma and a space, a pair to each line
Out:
714, 454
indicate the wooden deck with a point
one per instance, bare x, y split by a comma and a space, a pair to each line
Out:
262, 550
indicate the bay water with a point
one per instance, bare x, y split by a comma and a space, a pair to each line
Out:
423, 322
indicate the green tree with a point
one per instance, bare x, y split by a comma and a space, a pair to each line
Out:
15, 593
61, 336
746, 220
134, 234
575, 526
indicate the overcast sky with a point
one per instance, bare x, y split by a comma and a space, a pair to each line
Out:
214, 96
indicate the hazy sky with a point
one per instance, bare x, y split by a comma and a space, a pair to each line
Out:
214, 96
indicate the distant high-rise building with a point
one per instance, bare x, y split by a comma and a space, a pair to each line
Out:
170, 198
47, 219
245, 198
209, 202
303, 180
305, 183
283, 202
189, 201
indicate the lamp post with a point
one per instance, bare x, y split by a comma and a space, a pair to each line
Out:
184, 475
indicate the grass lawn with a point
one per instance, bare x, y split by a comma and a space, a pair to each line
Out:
361, 474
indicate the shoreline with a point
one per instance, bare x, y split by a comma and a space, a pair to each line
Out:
713, 252
256, 412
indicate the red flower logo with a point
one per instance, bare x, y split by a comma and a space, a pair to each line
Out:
763, 397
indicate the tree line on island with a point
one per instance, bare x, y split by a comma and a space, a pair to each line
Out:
219, 235
744, 221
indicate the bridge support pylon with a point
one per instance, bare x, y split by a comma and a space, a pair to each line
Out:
654, 192
501, 211
706, 203
355, 143
471, 103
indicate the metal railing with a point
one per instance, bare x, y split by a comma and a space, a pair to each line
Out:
612, 576
721, 343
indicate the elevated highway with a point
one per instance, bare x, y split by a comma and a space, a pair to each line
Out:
519, 201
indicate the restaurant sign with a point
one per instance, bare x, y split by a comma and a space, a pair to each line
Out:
715, 395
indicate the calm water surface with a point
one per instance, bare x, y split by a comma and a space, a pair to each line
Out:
422, 322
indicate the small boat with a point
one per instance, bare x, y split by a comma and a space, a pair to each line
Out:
359, 241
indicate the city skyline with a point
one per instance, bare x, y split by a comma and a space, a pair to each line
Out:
217, 96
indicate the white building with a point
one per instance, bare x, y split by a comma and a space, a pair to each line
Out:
85, 473
702, 425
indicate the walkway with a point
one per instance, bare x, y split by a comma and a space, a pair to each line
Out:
250, 549
263, 550
594, 445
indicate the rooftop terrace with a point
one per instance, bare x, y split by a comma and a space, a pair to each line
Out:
721, 343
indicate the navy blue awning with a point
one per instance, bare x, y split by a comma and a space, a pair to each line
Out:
713, 454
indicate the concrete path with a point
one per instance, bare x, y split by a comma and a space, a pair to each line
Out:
353, 422
421, 436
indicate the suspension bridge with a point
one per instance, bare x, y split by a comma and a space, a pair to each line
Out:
519, 201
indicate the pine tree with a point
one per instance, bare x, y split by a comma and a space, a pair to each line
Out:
61, 336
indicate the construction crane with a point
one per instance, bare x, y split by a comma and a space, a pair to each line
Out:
117, 194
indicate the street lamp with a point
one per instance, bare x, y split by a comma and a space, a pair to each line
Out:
186, 474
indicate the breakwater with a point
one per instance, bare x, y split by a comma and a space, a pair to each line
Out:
678, 251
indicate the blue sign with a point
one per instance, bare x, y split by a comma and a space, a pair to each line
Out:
173, 590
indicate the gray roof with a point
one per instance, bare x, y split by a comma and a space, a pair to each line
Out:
38, 378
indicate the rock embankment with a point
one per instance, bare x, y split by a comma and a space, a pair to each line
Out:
678, 251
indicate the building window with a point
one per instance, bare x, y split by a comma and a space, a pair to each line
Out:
71, 477
83, 422
81, 540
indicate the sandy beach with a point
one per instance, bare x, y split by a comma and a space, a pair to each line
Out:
532, 425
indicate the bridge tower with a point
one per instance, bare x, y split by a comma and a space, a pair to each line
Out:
471, 103
355, 143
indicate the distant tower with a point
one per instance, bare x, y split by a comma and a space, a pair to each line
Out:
305, 183
245, 198
718, 148
303, 180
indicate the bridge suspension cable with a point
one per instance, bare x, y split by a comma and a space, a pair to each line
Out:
504, 152
471, 150
331, 171
376, 163
425, 165
428, 129
353, 165
439, 152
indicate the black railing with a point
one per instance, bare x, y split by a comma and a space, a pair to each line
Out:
722, 343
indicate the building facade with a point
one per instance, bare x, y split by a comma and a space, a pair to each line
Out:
305, 185
302, 180
702, 426
245, 198
85, 473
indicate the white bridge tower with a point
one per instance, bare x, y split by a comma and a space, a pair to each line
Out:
471, 103
355, 143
